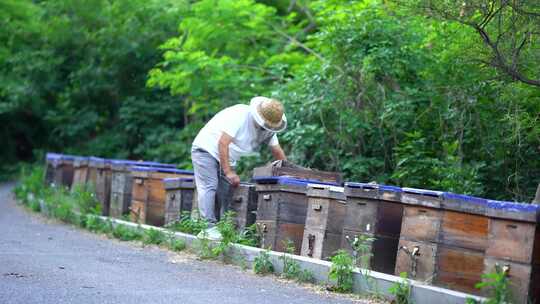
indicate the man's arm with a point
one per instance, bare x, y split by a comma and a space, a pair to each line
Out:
278, 153
223, 147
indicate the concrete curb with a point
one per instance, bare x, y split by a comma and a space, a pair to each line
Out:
365, 281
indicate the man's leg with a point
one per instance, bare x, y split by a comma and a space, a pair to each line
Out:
224, 194
206, 170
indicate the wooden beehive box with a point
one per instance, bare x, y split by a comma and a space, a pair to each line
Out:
373, 211
285, 168
514, 243
52, 162
121, 181
63, 171
121, 184
281, 211
324, 223
244, 204
148, 194
180, 195
80, 172
449, 233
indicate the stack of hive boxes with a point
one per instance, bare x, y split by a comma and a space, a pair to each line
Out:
148, 196
374, 211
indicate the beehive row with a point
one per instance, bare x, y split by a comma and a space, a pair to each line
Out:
441, 238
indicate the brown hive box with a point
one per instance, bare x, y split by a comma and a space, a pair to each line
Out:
80, 172
449, 244
148, 196
324, 222
514, 243
180, 194
121, 184
281, 211
244, 204
373, 211
52, 162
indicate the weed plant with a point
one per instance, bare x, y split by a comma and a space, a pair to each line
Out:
341, 272
188, 224
154, 236
125, 233
250, 236
496, 284
262, 264
401, 290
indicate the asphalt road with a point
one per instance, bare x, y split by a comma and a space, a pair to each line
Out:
43, 261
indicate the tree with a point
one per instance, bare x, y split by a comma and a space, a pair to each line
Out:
509, 31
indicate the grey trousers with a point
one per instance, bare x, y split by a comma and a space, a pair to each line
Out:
214, 191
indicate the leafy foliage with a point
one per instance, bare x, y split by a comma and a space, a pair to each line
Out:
401, 290
497, 284
341, 271
372, 88
262, 264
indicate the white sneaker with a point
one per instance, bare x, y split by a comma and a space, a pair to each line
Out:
212, 234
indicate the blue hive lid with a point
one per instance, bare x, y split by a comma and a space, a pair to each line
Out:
162, 170
513, 206
174, 179
390, 188
465, 198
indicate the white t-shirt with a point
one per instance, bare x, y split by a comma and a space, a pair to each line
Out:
238, 123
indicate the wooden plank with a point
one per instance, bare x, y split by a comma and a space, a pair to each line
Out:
425, 261
292, 232
138, 212
298, 172
325, 214
139, 189
155, 213
244, 204
361, 215
421, 223
320, 244
103, 189
464, 230
459, 268
520, 276
511, 240
420, 197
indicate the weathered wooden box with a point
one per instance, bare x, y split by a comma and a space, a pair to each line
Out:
443, 239
324, 223
514, 243
180, 195
285, 168
121, 184
52, 162
99, 181
244, 205
373, 211
80, 172
281, 211
148, 194
64, 172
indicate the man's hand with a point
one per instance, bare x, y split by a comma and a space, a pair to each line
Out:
233, 178
223, 146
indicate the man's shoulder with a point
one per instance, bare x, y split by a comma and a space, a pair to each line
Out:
238, 109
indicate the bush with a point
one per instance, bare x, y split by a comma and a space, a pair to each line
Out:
262, 264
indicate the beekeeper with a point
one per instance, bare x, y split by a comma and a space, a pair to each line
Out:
232, 133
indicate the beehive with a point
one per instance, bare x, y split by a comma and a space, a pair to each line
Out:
180, 194
281, 211
121, 184
443, 239
244, 205
324, 223
80, 172
513, 242
52, 162
148, 194
374, 211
